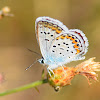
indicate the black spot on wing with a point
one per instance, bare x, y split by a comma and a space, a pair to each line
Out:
46, 40
54, 46
48, 32
44, 32
53, 51
61, 48
59, 44
71, 51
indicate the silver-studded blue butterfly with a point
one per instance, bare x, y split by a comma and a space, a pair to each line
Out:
58, 44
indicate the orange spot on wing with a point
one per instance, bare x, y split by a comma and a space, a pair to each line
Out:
62, 37
58, 31
45, 24
57, 38
78, 51
74, 41
67, 36
50, 25
71, 38
75, 46
54, 28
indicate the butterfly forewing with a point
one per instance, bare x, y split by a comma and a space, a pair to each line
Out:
47, 30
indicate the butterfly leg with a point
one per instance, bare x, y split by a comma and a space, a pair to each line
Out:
50, 71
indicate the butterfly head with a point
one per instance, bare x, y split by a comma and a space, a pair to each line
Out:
41, 61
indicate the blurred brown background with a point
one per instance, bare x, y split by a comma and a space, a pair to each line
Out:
18, 33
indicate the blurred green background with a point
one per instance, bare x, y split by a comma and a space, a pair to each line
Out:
18, 33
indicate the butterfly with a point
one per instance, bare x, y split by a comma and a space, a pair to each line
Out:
58, 44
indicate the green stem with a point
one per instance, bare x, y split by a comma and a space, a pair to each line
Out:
25, 87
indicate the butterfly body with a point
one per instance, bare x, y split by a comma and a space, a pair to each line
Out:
58, 44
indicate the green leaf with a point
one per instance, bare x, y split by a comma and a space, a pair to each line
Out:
37, 89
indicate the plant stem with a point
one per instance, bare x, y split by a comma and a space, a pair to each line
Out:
25, 87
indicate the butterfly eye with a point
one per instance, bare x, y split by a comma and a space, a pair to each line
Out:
42, 61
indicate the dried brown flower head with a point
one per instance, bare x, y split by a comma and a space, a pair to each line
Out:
63, 75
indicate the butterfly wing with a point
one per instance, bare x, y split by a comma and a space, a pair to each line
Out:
70, 46
47, 29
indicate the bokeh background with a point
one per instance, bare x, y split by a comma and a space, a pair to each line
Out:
18, 33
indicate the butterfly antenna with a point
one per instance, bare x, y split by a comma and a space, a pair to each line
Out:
31, 65
34, 52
